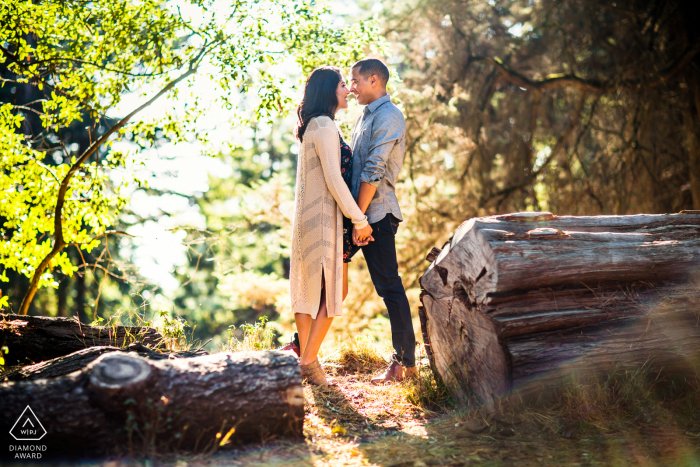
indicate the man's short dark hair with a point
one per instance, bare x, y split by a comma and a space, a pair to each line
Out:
372, 66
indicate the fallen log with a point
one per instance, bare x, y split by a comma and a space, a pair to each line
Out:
66, 364
524, 301
124, 403
32, 339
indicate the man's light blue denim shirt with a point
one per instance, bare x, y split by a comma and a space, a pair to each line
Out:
378, 145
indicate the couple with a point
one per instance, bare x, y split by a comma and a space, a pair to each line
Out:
345, 201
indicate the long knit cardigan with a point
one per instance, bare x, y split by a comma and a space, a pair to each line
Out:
320, 200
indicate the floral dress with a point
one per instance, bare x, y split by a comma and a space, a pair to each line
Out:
346, 172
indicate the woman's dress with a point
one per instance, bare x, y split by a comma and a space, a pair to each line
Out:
320, 201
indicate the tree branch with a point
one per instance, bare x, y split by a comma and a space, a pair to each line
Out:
10, 56
59, 242
593, 85
101, 67
553, 82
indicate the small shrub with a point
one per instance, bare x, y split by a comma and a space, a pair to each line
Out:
256, 336
172, 330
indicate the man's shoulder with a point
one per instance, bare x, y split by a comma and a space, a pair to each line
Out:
389, 114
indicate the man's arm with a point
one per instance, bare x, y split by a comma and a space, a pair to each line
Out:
387, 130
367, 192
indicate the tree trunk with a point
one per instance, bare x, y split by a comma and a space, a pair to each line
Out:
125, 403
80, 297
524, 301
62, 297
32, 339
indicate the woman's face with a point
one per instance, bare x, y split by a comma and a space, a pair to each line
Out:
342, 92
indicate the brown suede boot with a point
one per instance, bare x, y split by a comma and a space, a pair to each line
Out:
313, 374
393, 373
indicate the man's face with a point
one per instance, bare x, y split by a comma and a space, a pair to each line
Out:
361, 86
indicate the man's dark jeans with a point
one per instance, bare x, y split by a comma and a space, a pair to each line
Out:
380, 256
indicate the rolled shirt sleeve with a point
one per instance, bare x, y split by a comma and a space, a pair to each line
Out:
386, 132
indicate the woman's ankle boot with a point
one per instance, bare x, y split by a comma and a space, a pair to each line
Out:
313, 374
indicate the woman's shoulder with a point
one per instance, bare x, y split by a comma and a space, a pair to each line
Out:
321, 121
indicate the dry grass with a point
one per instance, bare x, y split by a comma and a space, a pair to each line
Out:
627, 418
364, 355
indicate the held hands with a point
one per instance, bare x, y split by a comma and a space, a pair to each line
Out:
363, 236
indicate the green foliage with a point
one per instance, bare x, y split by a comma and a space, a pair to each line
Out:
256, 336
172, 330
86, 56
3, 350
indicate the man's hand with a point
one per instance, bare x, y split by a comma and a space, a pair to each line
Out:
363, 236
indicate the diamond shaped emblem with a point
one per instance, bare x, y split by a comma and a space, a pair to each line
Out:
28, 427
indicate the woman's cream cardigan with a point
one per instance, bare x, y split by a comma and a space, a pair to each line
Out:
320, 200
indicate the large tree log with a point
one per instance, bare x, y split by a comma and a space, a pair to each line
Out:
31, 339
123, 402
523, 301
62, 366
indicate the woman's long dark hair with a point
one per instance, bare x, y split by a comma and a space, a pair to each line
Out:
320, 97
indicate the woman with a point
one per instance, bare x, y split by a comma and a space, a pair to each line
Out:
318, 276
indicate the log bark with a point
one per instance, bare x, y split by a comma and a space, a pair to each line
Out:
524, 301
76, 361
124, 403
32, 339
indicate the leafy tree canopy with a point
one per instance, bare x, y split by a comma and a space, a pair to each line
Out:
85, 56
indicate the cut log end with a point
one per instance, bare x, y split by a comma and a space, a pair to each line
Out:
433, 254
528, 298
118, 371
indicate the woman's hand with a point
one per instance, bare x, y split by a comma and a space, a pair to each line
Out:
363, 236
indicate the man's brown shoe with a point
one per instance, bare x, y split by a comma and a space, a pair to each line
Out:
393, 373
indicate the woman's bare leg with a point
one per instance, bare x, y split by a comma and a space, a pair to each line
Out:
345, 280
317, 332
303, 322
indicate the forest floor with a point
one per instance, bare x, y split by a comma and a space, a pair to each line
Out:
358, 424
625, 418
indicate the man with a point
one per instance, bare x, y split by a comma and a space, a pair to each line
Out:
378, 144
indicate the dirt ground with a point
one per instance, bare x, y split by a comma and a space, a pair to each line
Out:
357, 424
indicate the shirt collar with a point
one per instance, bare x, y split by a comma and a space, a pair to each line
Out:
375, 105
